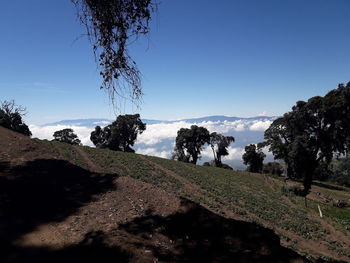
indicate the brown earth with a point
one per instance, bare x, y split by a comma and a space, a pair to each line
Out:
54, 211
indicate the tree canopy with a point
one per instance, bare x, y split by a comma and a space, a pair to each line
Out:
273, 168
189, 143
67, 136
11, 117
120, 135
254, 158
341, 171
111, 26
307, 137
219, 144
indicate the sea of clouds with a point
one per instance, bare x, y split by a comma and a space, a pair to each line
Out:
158, 139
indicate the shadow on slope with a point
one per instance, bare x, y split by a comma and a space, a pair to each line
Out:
93, 248
198, 235
328, 186
43, 191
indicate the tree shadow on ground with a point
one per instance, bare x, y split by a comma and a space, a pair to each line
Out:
93, 248
43, 191
198, 235
329, 186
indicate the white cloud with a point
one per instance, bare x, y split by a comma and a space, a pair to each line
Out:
154, 152
235, 153
223, 127
102, 123
260, 125
155, 133
207, 152
159, 139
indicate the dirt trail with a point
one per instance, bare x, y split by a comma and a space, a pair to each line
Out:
196, 191
92, 166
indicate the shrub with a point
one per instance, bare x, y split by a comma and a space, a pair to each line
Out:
292, 190
273, 168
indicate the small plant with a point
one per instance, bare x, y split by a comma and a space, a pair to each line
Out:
292, 190
340, 203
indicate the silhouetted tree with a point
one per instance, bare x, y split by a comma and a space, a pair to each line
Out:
307, 137
219, 144
120, 135
11, 117
189, 143
253, 157
67, 136
111, 26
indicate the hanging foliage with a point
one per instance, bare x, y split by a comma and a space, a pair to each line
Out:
111, 26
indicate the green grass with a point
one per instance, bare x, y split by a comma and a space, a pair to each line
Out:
66, 151
249, 193
255, 198
133, 165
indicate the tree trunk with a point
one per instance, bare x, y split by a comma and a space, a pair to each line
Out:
194, 159
215, 158
218, 163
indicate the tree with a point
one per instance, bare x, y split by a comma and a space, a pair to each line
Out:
253, 157
111, 26
219, 144
189, 143
307, 137
67, 136
11, 117
273, 168
341, 171
120, 135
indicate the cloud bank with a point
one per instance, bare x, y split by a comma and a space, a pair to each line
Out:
158, 139
46, 132
155, 133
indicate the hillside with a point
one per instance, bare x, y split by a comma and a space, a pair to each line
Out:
76, 203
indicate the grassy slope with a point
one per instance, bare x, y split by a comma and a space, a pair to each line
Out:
242, 195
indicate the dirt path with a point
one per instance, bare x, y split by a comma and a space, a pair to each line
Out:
194, 190
92, 166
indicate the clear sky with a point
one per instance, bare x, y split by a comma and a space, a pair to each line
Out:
203, 57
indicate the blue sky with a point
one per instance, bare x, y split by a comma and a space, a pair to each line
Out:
202, 58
